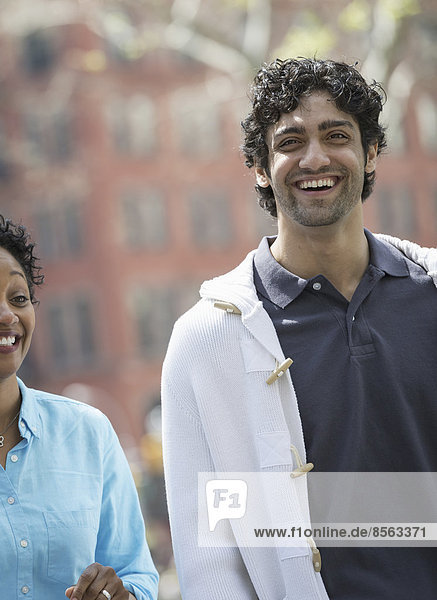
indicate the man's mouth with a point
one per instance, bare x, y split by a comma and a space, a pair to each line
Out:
323, 183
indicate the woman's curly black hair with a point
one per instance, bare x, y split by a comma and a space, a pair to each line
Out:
15, 239
278, 88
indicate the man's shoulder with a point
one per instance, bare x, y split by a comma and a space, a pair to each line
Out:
217, 318
223, 294
426, 258
207, 319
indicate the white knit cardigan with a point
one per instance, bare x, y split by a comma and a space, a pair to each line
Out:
219, 415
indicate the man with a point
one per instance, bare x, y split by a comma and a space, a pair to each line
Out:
356, 316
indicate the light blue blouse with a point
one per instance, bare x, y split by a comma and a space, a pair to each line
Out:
67, 499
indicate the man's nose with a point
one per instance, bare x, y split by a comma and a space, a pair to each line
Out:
314, 157
7, 316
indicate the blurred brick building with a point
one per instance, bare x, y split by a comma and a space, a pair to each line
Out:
130, 179
128, 174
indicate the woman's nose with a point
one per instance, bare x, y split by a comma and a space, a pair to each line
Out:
7, 317
314, 157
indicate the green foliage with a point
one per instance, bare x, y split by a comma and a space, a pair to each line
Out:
311, 37
239, 4
398, 9
356, 16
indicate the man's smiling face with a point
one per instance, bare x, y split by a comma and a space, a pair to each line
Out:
316, 163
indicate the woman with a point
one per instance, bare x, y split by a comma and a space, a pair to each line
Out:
70, 520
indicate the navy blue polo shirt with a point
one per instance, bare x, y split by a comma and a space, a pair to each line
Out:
365, 375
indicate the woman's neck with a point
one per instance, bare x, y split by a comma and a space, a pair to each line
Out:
10, 400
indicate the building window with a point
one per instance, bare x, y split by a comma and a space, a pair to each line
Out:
59, 230
71, 331
197, 124
154, 312
426, 111
58, 334
49, 136
30, 369
120, 34
38, 52
264, 223
5, 169
396, 131
132, 122
210, 217
71, 218
435, 208
144, 218
396, 211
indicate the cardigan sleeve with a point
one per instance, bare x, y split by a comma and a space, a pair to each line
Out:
204, 573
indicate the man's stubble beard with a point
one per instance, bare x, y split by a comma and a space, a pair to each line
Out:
318, 212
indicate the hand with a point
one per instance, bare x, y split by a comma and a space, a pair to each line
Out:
93, 580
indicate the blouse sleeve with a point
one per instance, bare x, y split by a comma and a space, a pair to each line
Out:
121, 542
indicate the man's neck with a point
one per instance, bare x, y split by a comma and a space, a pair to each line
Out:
340, 253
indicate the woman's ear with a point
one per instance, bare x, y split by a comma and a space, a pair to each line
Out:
261, 177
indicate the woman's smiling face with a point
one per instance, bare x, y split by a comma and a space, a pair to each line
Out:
17, 315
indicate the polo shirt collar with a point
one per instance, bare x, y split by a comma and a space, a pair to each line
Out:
271, 279
281, 286
386, 257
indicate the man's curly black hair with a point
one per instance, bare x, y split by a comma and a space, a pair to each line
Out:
16, 240
278, 88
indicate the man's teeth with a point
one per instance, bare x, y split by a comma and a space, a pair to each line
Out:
7, 341
304, 185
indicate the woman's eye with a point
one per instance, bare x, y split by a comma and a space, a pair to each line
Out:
20, 299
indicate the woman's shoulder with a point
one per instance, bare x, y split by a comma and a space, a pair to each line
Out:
61, 409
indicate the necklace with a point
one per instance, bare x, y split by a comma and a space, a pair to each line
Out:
2, 437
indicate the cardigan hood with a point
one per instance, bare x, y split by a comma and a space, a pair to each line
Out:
236, 287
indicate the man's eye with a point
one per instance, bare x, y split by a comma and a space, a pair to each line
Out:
286, 143
338, 135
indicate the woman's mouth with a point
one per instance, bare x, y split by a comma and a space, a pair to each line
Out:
8, 341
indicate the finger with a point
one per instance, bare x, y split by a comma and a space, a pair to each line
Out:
106, 593
69, 591
89, 583
114, 590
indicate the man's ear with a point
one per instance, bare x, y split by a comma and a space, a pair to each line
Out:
261, 177
372, 155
